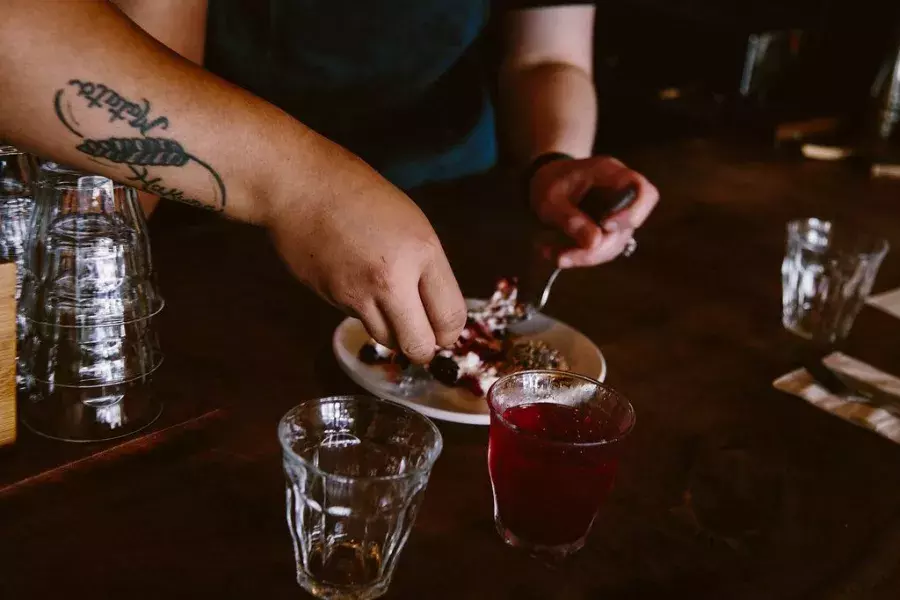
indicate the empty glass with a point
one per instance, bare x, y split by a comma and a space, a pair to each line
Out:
826, 276
356, 470
553, 455
89, 345
17, 173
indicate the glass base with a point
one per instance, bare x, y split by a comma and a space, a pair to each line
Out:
553, 553
821, 337
327, 591
89, 414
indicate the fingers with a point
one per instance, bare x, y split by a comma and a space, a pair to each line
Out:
614, 175
580, 227
409, 322
410, 302
443, 301
559, 211
610, 247
417, 321
559, 188
376, 325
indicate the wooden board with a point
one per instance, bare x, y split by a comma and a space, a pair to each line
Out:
7, 354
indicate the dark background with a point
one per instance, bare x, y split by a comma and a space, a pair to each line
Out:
699, 47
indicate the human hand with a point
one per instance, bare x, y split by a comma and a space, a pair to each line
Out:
557, 188
364, 246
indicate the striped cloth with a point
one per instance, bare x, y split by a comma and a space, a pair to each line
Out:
801, 383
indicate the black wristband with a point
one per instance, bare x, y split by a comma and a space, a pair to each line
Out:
534, 167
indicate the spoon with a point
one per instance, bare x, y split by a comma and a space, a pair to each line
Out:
534, 288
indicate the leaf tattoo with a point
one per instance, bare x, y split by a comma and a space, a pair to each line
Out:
158, 152
137, 153
150, 152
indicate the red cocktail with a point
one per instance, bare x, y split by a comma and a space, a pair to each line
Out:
552, 456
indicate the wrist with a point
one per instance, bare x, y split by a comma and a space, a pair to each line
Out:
536, 165
291, 176
311, 174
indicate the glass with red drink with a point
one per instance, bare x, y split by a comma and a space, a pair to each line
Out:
552, 456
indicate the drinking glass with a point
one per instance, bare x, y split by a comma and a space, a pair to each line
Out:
356, 469
826, 276
88, 345
17, 173
553, 453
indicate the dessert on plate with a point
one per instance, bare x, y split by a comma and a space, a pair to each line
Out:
485, 351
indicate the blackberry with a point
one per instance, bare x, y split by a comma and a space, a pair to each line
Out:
444, 369
368, 355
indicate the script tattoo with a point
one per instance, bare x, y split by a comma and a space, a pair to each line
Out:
136, 153
120, 108
155, 185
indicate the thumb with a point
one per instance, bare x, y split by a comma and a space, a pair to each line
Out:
554, 205
575, 224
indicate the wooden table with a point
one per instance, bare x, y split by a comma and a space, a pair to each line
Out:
728, 489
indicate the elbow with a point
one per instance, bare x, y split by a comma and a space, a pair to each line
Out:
550, 68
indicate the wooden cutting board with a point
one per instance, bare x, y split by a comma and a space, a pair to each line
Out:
7, 353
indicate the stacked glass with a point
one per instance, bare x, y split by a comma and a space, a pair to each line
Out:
17, 172
89, 302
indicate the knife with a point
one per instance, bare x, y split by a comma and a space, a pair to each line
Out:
535, 286
851, 388
872, 394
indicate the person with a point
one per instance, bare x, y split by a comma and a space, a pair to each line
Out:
116, 87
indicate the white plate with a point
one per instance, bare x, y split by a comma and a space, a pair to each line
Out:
459, 405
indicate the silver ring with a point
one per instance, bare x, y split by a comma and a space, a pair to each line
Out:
630, 247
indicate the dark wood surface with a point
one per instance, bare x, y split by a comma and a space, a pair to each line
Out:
728, 488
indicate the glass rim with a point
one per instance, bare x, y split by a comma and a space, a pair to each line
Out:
92, 384
45, 183
155, 310
605, 442
878, 245
433, 453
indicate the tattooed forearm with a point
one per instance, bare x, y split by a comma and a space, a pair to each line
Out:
120, 108
155, 185
136, 153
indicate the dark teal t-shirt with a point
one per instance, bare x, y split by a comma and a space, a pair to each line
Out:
398, 82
